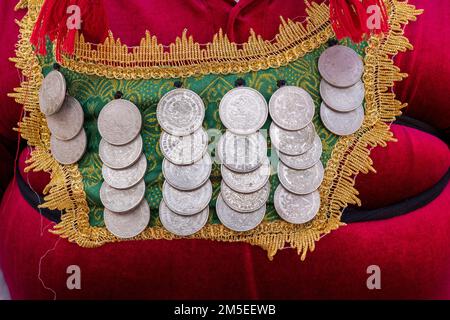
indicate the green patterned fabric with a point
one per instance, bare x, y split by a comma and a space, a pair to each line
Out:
94, 92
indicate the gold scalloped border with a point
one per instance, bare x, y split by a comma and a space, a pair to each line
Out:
350, 156
185, 58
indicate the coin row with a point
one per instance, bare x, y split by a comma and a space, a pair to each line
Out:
65, 118
122, 193
245, 168
299, 148
186, 167
342, 90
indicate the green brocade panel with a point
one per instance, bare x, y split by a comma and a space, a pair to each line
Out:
94, 92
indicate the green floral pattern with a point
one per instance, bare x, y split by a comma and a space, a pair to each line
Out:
94, 92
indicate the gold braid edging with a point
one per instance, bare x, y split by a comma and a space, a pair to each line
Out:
186, 58
350, 156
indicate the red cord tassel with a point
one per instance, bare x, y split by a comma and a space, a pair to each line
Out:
357, 19
58, 20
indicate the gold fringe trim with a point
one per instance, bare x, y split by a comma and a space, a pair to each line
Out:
186, 58
350, 156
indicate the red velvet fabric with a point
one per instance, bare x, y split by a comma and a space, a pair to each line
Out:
427, 88
404, 169
411, 250
9, 79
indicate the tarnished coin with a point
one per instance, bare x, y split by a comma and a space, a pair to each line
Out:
182, 225
119, 122
70, 151
180, 112
128, 224
68, 121
292, 142
341, 66
188, 177
243, 110
301, 181
52, 93
242, 153
342, 99
247, 182
296, 208
123, 200
291, 108
187, 203
125, 178
341, 123
238, 221
184, 150
245, 202
305, 160
120, 157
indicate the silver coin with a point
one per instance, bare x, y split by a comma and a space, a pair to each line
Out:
342, 99
188, 177
305, 160
182, 225
341, 66
238, 221
180, 112
292, 142
119, 122
184, 150
243, 110
120, 157
187, 203
69, 151
68, 121
128, 224
247, 182
341, 123
245, 202
125, 178
301, 181
52, 93
291, 108
123, 200
242, 153
295, 208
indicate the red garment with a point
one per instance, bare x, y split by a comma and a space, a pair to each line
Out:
412, 249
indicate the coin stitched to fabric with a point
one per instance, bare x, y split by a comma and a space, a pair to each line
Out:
120, 157
342, 123
243, 110
52, 92
68, 121
119, 122
125, 178
122, 200
182, 225
128, 224
291, 108
296, 209
238, 221
69, 151
180, 112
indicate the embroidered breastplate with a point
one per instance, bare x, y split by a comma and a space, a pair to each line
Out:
95, 74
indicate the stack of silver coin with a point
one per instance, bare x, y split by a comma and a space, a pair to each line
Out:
292, 132
245, 167
65, 119
186, 167
342, 90
126, 212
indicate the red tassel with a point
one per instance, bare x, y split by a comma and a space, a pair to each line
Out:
53, 23
357, 19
